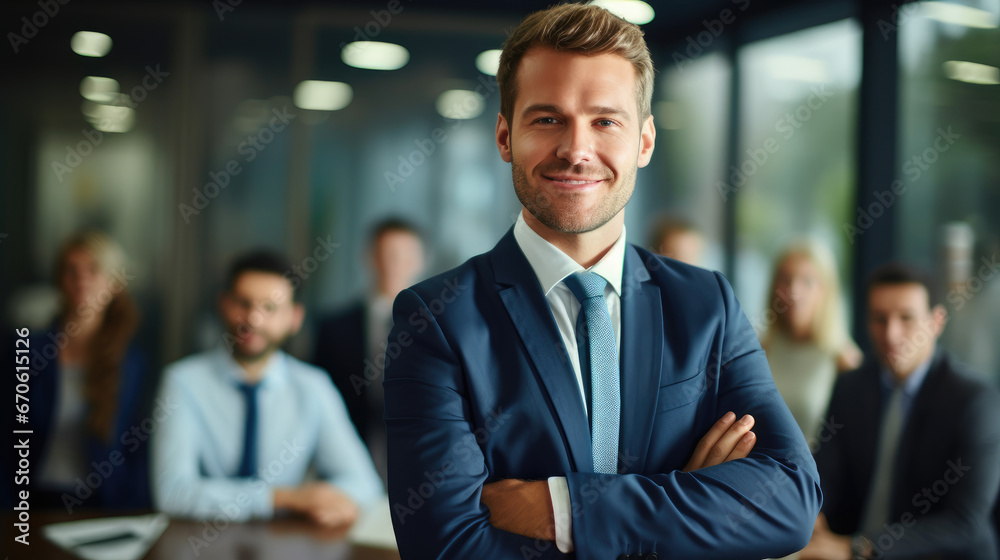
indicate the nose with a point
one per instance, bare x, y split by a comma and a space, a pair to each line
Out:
794, 291
576, 144
893, 332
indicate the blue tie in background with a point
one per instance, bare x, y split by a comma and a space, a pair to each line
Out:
248, 465
598, 356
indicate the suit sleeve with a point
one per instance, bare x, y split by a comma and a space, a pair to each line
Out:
761, 506
972, 480
832, 460
436, 468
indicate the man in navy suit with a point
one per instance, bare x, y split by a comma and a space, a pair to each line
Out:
926, 489
351, 343
514, 428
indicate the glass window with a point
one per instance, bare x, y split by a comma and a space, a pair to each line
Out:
691, 115
794, 173
949, 213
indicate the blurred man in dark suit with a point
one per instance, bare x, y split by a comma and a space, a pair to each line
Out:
679, 239
351, 344
912, 467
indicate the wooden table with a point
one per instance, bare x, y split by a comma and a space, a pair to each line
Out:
282, 539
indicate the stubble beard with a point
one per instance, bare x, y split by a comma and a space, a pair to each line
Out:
539, 206
271, 347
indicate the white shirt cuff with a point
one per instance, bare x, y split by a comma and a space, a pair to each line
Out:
562, 512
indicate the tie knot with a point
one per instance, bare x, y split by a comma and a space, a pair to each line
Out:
586, 285
248, 389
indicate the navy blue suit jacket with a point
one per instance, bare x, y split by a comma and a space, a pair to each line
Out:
478, 387
947, 471
341, 345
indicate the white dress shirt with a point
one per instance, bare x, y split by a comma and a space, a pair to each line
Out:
67, 449
552, 266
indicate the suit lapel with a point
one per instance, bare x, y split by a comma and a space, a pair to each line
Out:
641, 357
867, 408
529, 312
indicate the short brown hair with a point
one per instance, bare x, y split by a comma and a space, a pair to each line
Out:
581, 28
896, 272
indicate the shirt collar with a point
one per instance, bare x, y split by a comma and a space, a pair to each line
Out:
273, 374
913, 382
379, 306
379, 300
551, 265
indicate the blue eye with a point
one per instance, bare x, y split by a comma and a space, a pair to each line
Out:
606, 122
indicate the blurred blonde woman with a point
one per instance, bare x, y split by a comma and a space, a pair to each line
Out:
806, 341
88, 385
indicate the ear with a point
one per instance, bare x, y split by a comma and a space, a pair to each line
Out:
939, 318
647, 139
503, 138
298, 315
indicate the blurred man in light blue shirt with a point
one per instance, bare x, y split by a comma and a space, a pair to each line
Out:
250, 424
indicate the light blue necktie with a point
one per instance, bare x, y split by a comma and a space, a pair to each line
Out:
598, 357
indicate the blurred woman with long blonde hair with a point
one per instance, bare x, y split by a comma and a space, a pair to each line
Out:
807, 342
87, 385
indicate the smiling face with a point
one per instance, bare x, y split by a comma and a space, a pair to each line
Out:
259, 314
575, 139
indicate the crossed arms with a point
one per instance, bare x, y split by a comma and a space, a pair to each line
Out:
732, 499
525, 507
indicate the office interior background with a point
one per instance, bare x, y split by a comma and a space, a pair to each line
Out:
209, 128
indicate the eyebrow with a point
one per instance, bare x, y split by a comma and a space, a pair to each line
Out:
598, 110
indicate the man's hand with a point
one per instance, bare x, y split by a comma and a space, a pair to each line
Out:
321, 501
825, 544
725, 441
522, 507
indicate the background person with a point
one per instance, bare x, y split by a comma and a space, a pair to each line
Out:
678, 239
807, 342
350, 344
87, 386
251, 420
913, 470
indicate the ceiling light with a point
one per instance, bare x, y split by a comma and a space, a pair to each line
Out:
959, 14
99, 89
375, 55
635, 11
317, 95
109, 118
460, 104
488, 61
972, 72
90, 43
